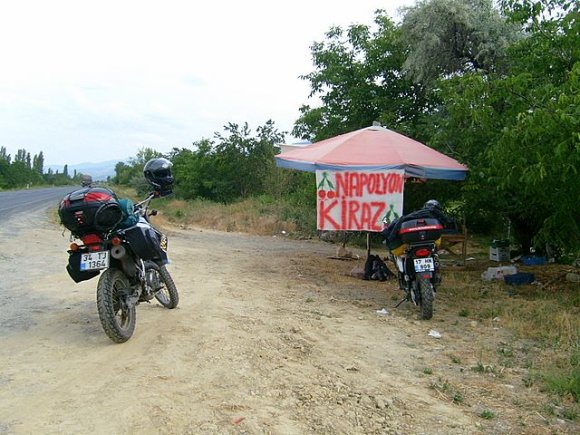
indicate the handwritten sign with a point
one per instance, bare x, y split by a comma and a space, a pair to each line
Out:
358, 200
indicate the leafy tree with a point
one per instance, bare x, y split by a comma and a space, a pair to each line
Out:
131, 172
518, 130
19, 172
123, 173
38, 163
4, 168
358, 78
536, 159
195, 171
453, 37
236, 164
246, 161
20, 156
4, 155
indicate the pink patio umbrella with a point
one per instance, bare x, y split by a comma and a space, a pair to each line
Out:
373, 148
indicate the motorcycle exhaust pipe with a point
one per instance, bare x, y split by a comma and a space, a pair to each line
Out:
118, 252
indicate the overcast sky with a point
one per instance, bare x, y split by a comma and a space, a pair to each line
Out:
94, 81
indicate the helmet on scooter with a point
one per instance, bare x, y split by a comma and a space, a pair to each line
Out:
433, 204
158, 173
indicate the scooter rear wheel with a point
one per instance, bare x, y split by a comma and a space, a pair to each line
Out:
427, 296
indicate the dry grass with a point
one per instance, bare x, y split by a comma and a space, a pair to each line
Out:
541, 322
252, 216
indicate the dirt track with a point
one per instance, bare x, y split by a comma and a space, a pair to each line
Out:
260, 343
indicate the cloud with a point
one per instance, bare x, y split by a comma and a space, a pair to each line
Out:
86, 81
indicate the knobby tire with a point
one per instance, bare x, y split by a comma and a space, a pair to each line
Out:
167, 296
117, 319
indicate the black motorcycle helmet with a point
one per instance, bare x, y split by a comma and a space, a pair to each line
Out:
433, 203
158, 173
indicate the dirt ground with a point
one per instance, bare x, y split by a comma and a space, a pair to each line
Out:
270, 336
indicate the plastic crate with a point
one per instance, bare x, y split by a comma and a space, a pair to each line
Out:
499, 243
499, 254
532, 260
519, 278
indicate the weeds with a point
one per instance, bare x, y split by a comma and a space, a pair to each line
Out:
457, 398
487, 414
482, 369
563, 381
506, 357
549, 319
479, 368
445, 388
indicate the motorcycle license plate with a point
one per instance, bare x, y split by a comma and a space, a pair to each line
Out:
424, 265
94, 260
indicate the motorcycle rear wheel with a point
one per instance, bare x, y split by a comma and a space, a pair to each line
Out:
117, 319
427, 297
167, 295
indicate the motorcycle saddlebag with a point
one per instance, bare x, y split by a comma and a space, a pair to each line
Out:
146, 242
90, 210
420, 230
74, 268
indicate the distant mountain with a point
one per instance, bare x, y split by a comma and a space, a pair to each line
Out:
99, 171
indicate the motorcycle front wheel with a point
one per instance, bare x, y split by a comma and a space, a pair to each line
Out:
117, 317
167, 295
427, 296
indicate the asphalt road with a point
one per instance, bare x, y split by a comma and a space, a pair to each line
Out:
15, 202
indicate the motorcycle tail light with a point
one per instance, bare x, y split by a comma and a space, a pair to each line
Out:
423, 252
116, 241
90, 239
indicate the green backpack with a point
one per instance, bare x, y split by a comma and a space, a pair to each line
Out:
129, 217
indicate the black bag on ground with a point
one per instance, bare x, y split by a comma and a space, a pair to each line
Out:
376, 269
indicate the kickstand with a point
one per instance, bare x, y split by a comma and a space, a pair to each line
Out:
402, 300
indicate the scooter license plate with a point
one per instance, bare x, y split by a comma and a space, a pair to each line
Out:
94, 260
424, 265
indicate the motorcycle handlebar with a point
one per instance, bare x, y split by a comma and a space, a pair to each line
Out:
141, 207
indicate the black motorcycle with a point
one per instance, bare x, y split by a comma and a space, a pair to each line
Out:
417, 263
124, 248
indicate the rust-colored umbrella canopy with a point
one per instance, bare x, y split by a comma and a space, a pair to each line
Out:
373, 148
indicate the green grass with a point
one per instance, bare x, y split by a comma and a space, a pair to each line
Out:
564, 381
458, 398
455, 360
487, 414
